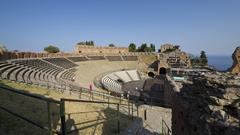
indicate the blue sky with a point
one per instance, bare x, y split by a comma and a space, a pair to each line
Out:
210, 25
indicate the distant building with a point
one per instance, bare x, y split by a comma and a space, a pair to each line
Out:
235, 69
86, 49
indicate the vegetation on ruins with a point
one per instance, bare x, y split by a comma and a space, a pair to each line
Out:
111, 45
152, 46
132, 47
201, 60
90, 43
51, 49
169, 50
144, 48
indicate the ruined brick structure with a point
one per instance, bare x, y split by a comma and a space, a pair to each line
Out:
174, 59
208, 106
165, 47
86, 49
235, 69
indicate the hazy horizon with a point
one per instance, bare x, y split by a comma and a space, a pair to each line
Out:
212, 26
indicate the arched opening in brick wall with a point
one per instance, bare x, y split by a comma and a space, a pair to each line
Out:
151, 74
162, 71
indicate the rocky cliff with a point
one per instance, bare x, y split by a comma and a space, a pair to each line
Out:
235, 69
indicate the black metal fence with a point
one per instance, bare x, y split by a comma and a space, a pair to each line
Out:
123, 106
48, 101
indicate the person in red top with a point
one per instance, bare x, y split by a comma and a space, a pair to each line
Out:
90, 87
90, 91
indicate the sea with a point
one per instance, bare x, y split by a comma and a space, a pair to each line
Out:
221, 63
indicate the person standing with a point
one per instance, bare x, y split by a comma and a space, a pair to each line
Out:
90, 90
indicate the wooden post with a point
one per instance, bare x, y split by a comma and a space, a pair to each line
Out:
62, 114
49, 119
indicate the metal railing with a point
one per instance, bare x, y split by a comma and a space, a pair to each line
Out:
63, 119
165, 129
93, 98
47, 100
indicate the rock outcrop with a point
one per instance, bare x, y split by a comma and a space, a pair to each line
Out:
235, 69
210, 105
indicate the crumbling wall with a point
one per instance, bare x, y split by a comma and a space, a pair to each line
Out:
207, 106
170, 88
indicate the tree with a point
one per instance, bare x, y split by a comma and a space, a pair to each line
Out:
90, 43
142, 48
111, 45
203, 58
51, 49
132, 47
152, 46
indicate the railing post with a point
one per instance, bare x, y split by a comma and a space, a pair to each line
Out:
49, 119
128, 104
89, 95
145, 114
92, 95
118, 121
80, 93
162, 128
62, 114
151, 102
108, 98
132, 110
120, 98
137, 110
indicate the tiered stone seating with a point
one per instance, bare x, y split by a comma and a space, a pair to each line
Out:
130, 58
61, 62
133, 74
21, 75
5, 68
39, 66
112, 85
77, 59
123, 76
69, 74
115, 80
96, 57
11, 73
114, 58
33, 71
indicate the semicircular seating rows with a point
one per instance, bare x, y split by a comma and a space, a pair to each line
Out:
58, 71
44, 72
115, 80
